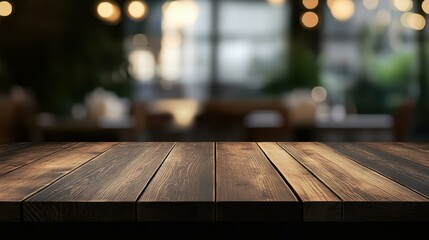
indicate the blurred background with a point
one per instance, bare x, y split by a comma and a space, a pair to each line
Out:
214, 70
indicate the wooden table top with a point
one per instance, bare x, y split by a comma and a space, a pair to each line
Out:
214, 181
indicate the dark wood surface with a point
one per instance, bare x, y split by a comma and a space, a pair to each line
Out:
27, 180
319, 202
207, 181
249, 188
366, 194
105, 189
183, 188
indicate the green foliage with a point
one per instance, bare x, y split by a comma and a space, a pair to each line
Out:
300, 71
395, 70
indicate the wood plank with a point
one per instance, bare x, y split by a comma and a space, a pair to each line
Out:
421, 146
366, 194
18, 157
319, 203
183, 189
105, 189
13, 146
403, 171
27, 180
248, 188
400, 150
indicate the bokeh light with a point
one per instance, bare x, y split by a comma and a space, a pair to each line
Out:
5, 8
319, 94
309, 19
180, 13
425, 6
370, 4
310, 4
136, 9
109, 12
403, 5
383, 16
413, 21
342, 10
276, 2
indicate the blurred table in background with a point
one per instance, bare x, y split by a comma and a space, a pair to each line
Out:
59, 128
351, 127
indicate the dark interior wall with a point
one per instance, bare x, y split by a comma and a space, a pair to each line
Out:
60, 51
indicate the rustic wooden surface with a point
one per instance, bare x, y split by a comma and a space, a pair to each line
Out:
207, 181
183, 188
319, 202
105, 189
366, 194
249, 188
25, 181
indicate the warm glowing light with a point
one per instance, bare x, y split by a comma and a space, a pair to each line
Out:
425, 6
136, 9
105, 9
310, 4
370, 4
5, 8
141, 65
276, 2
181, 13
383, 16
319, 94
403, 5
170, 57
309, 19
109, 12
413, 21
183, 110
329, 3
342, 10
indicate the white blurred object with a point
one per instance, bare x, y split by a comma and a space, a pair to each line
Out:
106, 105
338, 112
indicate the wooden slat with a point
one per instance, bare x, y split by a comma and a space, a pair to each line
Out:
18, 157
183, 188
421, 146
13, 146
400, 150
319, 203
248, 188
104, 189
403, 171
367, 195
27, 180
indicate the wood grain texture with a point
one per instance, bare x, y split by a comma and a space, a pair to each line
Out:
27, 180
403, 171
400, 150
104, 189
319, 203
421, 146
362, 190
13, 146
248, 188
183, 189
18, 157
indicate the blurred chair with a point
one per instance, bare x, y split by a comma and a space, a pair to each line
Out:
150, 125
138, 111
268, 121
403, 120
243, 120
17, 115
